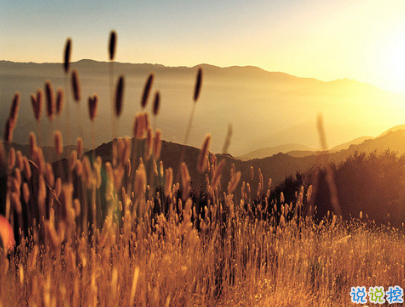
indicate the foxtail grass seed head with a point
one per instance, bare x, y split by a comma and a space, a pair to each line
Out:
66, 57
32, 141
50, 100
15, 106
252, 173
146, 90
119, 96
149, 143
2, 154
77, 206
157, 144
97, 173
17, 175
26, 192
109, 171
168, 181
49, 176
140, 181
40, 97
186, 180
58, 186
27, 168
11, 158
58, 143
79, 167
128, 149
39, 160
37, 102
156, 104
112, 44
72, 160
15, 201
139, 125
53, 237
161, 169
41, 192
8, 131
77, 95
93, 102
155, 169
218, 174
234, 182
8, 243
309, 193
203, 156
333, 223
87, 172
60, 101
133, 287
19, 160
35, 107
198, 84
146, 120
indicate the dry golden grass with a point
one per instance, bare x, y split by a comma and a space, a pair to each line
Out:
123, 233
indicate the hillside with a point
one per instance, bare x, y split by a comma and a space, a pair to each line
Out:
277, 167
348, 144
393, 129
269, 151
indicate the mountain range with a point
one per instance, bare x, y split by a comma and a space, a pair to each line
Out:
266, 109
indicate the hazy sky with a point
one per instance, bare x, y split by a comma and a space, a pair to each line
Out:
324, 39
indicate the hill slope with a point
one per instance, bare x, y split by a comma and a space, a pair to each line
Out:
277, 167
269, 151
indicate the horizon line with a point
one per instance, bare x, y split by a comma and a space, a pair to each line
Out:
214, 66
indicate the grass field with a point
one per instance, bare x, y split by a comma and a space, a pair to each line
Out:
128, 232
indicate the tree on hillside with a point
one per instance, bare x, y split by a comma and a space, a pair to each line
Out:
371, 183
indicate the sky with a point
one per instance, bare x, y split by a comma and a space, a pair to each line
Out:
362, 40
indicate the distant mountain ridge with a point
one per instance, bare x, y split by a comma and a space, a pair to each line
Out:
270, 151
348, 144
266, 109
393, 129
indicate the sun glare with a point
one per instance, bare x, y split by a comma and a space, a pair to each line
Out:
394, 64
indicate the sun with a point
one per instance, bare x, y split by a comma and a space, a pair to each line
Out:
393, 63
396, 62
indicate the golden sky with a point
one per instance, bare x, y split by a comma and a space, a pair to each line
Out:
327, 40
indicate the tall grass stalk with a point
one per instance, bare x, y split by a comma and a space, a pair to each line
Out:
111, 53
108, 236
66, 70
197, 90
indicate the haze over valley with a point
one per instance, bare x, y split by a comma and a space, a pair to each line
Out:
265, 109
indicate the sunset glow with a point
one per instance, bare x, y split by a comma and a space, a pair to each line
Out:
362, 40
393, 59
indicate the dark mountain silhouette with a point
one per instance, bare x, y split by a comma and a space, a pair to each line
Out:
276, 167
